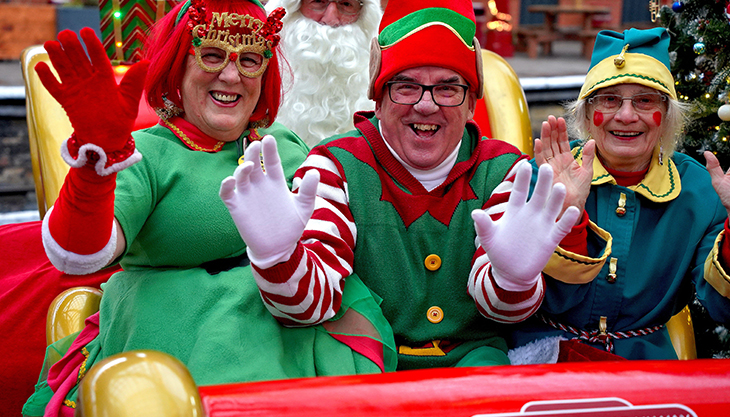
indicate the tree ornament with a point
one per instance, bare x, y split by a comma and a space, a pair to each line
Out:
699, 48
678, 6
727, 12
724, 112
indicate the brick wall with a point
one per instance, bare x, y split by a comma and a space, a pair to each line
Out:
599, 23
23, 25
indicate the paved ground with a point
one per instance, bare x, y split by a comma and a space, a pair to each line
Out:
566, 60
10, 73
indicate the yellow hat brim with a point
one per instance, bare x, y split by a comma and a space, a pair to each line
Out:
638, 69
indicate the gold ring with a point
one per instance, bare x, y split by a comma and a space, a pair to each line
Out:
548, 158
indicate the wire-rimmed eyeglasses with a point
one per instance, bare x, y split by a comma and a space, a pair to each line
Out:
642, 102
346, 7
409, 93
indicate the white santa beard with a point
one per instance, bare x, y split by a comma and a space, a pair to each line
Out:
330, 69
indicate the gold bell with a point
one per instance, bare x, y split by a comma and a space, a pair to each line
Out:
621, 209
603, 326
612, 267
619, 61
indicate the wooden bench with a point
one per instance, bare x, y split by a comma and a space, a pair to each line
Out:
531, 39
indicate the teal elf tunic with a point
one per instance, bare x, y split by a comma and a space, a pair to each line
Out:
644, 259
185, 288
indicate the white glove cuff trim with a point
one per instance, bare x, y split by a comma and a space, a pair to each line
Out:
100, 166
510, 285
73, 263
265, 262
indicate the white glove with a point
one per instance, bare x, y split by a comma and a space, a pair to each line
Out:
521, 242
269, 217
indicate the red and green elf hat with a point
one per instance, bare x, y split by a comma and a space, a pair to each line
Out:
415, 33
634, 56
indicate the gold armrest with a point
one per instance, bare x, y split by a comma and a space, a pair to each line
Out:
681, 331
139, 383
69, 310
509, 117
48, 127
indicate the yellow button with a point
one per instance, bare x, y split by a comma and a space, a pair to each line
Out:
433, 262
435, 314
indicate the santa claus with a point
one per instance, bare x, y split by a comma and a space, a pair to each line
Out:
327, 45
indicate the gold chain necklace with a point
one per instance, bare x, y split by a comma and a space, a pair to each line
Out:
189, 141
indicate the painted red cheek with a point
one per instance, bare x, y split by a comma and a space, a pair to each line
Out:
597, 118
657, 117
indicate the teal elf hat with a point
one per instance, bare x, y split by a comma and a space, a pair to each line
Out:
634, 56
416, 33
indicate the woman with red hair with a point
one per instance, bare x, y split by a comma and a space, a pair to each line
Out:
148, 200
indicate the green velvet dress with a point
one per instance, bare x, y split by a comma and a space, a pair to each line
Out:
186, 287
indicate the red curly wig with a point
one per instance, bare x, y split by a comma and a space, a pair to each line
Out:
167, 49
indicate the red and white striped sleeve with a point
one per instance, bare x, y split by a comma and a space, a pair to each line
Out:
307, 289
492, 301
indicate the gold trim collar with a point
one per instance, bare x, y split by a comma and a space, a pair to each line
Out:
661, 183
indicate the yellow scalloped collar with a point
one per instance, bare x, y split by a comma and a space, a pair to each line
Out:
661, 183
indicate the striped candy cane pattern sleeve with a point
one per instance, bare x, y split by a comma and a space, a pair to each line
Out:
492, 301
307, 289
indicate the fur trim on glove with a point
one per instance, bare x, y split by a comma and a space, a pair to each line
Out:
101, 164
73, 263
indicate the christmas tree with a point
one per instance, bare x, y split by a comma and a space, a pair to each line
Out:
700, 54
700, 38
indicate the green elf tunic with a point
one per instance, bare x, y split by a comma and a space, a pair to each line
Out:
414, 248
435, 320
649, 245
186, 287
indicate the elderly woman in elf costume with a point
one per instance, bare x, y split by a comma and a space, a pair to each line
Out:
150, 202
655, 222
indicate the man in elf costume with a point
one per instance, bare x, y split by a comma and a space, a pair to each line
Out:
408, 203
326, 45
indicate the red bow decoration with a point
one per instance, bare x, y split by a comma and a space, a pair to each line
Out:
273, 26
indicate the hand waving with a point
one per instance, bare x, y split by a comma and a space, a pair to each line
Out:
101, 112
269, 217
720, 180
553, 148
521, 242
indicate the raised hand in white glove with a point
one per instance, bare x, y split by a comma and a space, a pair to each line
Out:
521, 242
269, 217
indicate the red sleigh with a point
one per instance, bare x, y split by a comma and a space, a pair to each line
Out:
160, 384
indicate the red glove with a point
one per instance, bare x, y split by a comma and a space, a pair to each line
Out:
78, 230
101, 112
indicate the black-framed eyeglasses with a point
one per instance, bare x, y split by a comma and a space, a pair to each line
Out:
346, 7
409, 93
642, 102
